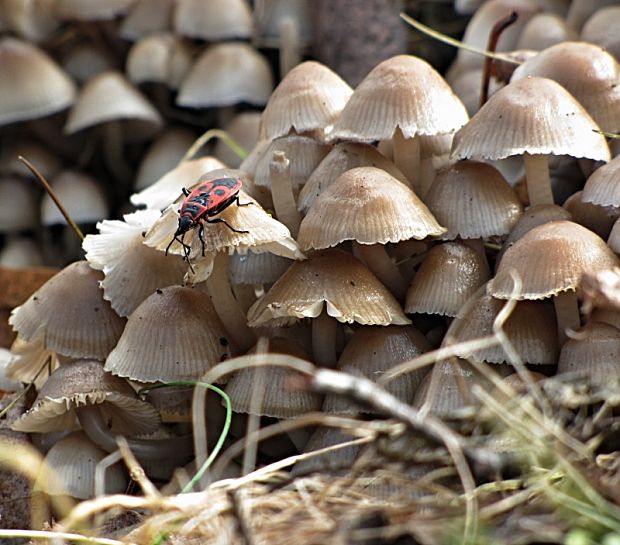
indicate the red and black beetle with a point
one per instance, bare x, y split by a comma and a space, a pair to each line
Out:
207, 199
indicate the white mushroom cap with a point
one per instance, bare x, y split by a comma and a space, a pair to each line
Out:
214, 20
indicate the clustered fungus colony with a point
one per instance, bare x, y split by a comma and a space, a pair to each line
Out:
386, 220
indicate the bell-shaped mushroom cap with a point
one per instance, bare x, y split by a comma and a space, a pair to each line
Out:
368, 205
581, 10
214, 20
18, 205
550, 259
343, 156
41, 155
602, 29
449, 275
332, 278
87, 10
602, 187
80, 194
226, 74
532, 115
276, 400
243, 128
261, 268
587, 72
163, 155
372, 351
308, 99
110, 97
32, 21
402, 92
84, 382
84, 61
21, 252
27, 359
594, 352
304, 155
73, 461
174, 334
544, 30
166, 189
32, 85
159, 58
473, 200
613, 241
133, 271
530, 328
147, 17
70, 313
599, 219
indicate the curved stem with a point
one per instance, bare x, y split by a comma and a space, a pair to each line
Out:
282, 192
209, 135
379, 262
175, 448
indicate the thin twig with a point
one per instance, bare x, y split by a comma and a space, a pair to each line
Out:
43, 534
136, 472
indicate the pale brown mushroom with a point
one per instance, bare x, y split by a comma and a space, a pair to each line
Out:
213, 21
602, 186
599, 219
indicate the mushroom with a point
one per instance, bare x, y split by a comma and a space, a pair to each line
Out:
599, 219
544, 30
147, 17
213, 21
32, 21
601, 27
243, 129
85, 10
533, 117
602, 185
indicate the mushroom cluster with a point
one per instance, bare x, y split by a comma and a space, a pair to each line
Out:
365, 227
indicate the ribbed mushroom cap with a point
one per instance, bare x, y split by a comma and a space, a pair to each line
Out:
532, 115
402, 92
213, 20
18, 205
110, 97
87, 10
243, 128
133, 271
32, 85
159, 58
544, 30
276, 400
32, 21
343, 156
602, 29
41, 155
593, 352
80, 194
27, 359
73, 461
304, 154
368, 205
147, 17
602, 187
309, 98
226, 74
587, 72
174, 334
550, 259
473, 200
371, 352
449, 275
613, 241
84, 382
531, 329
252, 268
162, 156
581, 10
333, 278
164, 191
69, 311
599, 219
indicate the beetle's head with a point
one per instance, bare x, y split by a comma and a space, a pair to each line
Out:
185, 224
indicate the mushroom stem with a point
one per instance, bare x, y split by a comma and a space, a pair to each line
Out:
176, 448
427, 176
226, 306
282, 192
115, 162
537, 179
566, 313
289, 44
376, 258
324, 329
245, 295
406, 153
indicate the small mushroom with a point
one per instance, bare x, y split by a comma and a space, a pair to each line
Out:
213, 21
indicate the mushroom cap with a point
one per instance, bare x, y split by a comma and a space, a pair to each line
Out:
530, 328
594, 352
214, 20
343, 156
533, 115
602, 29
277, 400
544, 30
550, 259
599, 219
602, 186
18, 205
449, 275
73, 461
133, 271
32, 21
473, 200
32, 84
84, 382
70, 313
174, 334
87, 10
309, 98
331, 278
147, 17
368, 205
110, 97
243, 128
227, 74
253, 268
85, 60
27, 359
402, 92
371, 352
587, 72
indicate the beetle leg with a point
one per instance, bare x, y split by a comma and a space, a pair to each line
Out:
222, 220
241, 203
185, 191
201, 236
